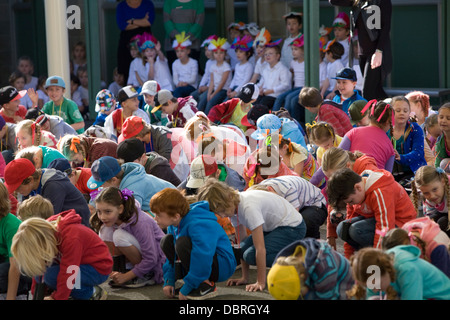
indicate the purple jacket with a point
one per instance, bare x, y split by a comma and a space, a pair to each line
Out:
148, 234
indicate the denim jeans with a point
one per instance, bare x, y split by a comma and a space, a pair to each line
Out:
181, 92
89, 277
274, 241
285, 98
205, 105
361, 232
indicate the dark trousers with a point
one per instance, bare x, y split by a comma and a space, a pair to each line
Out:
24, 283
314, 217
181, 252
268, 101
123, 51
373, 80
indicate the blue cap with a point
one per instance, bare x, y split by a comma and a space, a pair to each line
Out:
103, 170
346, 74
55, 81
61, 164
268, 122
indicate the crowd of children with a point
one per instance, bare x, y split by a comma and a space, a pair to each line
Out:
183, 177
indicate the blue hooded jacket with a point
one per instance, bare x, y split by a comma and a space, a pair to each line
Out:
417, 279
143, 185
208, 238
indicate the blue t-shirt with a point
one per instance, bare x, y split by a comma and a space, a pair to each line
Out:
125, 13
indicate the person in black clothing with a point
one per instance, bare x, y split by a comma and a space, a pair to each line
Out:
375, 51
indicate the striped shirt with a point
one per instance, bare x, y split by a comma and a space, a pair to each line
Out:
298, 191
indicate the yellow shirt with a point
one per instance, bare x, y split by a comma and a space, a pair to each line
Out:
320, 150
237, 116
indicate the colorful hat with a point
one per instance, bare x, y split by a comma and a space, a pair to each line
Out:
207, 41
55, 81
266, 125
9, 93
324, 31
236, 25
262, 38
147, 41
298, 42
134, 42
342, 20
181, 41
105, 101
219, 44
252, 28
244, 43
128, 92
322, 44
327, 47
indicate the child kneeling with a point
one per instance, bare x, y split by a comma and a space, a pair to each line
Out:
196, 247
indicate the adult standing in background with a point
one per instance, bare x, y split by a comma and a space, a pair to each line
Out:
179, 16
133, 17
374, 41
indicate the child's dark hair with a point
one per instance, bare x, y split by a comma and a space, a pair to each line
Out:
295, 17
115, 197
337, 50
341, 186
14, 76
310, 97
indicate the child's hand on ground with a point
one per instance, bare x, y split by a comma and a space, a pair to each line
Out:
255, 287
236, 282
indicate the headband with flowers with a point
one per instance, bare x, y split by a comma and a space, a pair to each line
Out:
219, 44
181, 41
244, 43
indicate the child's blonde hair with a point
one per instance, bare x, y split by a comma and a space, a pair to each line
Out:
360, 263
36, 206
318, 132
426, 175
196, 126
337, 158
34, 246
219, 195
32, 128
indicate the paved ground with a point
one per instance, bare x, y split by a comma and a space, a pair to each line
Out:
224, 292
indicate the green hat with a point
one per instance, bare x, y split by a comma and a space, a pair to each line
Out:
355, 111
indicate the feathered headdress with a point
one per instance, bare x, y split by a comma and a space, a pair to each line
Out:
244, 43
298, 42
219, 44
147, 41
262, 38
342, 20
207, 41
181, 41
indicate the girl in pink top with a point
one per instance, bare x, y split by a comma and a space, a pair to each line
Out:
372, 140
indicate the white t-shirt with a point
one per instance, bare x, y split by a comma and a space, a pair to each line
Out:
322, 72
218, 71
332, 70
278, 78
266, 209
359, 76
207, 74
298, 191
185, 72
242, 75
346, 45
162, 73
299, 73
33, 84
286, 51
